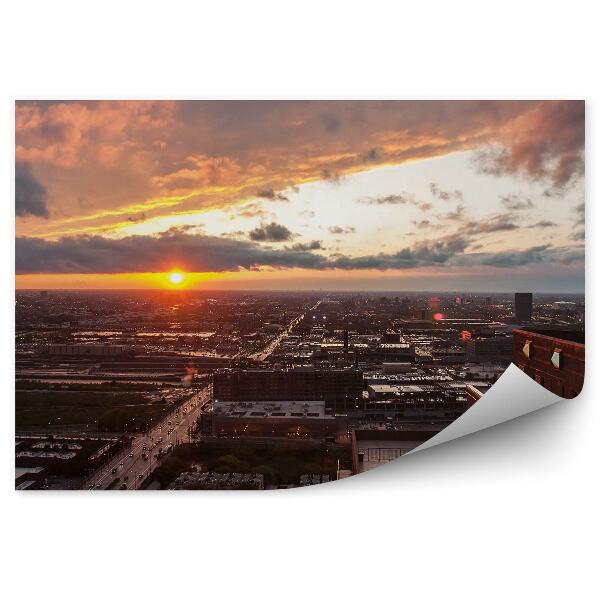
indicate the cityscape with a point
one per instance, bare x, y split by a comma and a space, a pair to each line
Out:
276, 294
233, 390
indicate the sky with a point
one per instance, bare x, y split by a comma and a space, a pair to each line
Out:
334, 195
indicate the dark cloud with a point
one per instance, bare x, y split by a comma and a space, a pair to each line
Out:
491, 225
424, 224
394, 199
30, 195
402, 198
427, 224
331, 175
153, 254
250, 211
516, 202
271, 232
455, 215
422, 254
443, 195
545, 143
202, 253
314, 245
580, 212
578, 233
519, 258
271, 194
337, 230
543, 224
331, 122
371, 155
309, 214
137, 218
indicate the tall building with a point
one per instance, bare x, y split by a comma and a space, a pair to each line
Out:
553, 358
523, 306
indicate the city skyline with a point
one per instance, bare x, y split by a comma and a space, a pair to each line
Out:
485, 196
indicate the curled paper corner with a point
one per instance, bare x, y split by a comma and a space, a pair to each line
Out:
513, 395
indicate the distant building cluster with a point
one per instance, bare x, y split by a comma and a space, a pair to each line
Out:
193, 480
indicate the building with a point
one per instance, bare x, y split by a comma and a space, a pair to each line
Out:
198, 480
412, 402
523, 306
90, 349
271, 419
386, 352
497, 348
337, 388
553, 358
374, 447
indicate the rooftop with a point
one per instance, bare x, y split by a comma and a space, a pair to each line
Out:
577, 337
279, 410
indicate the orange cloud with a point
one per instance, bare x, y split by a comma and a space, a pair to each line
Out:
122, 156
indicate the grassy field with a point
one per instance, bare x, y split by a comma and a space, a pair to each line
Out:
105, 386
94, 408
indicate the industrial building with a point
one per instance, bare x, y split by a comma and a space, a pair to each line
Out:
337, 388
373, 447
497, 348
271, 419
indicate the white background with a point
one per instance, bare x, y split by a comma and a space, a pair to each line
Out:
507, 513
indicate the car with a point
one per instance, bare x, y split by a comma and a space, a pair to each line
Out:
131, 455
169, 423
140, 476
126, 478
121, 463
114, 470
123, 486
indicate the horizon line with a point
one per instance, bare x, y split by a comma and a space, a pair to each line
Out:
316, 290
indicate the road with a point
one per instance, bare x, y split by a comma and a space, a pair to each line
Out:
130, 466
263, 354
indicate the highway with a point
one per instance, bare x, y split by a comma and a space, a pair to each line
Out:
263, 354
130, 466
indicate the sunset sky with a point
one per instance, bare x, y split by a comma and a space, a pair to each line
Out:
380, 195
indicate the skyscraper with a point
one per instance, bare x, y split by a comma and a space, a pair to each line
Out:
523, 306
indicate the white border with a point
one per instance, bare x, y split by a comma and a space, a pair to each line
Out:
507, 513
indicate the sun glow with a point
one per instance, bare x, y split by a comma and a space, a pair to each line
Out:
176, 277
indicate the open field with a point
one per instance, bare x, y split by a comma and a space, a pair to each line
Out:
98, 407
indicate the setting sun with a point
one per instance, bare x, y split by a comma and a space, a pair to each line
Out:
176, 277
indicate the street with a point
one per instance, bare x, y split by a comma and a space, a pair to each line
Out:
130, 466
266, 352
